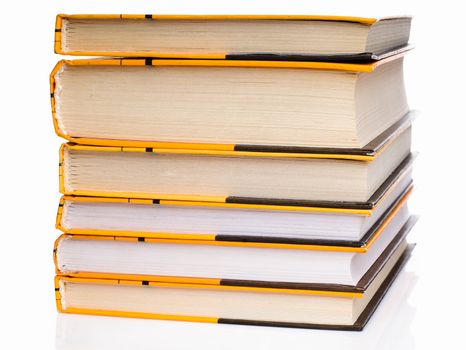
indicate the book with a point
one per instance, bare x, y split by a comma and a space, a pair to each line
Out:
339, 38
228, 260
217, 303
389, 326
215, 176
230, 221
227, 104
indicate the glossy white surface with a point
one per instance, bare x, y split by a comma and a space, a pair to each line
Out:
30, 188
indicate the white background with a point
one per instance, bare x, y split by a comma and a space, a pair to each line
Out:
427, 306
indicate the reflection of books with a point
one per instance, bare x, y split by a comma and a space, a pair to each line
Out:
389, 328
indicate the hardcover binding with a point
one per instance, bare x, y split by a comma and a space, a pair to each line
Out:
360, 287
369, 204
369, 150
364, 57
362, 243
378, 195
367, 153
356, 58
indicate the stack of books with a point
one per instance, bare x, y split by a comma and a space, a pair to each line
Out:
232, 169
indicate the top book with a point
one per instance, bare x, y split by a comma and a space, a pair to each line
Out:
252, 37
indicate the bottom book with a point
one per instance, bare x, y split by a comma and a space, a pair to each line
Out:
389, 328
281, 307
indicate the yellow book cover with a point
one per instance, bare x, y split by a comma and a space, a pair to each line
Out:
72, 182
298, 37
198, 128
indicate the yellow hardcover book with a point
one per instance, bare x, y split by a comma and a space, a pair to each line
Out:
328, 306
309, 37
231, 105
388, 326
329, 244
232, 177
